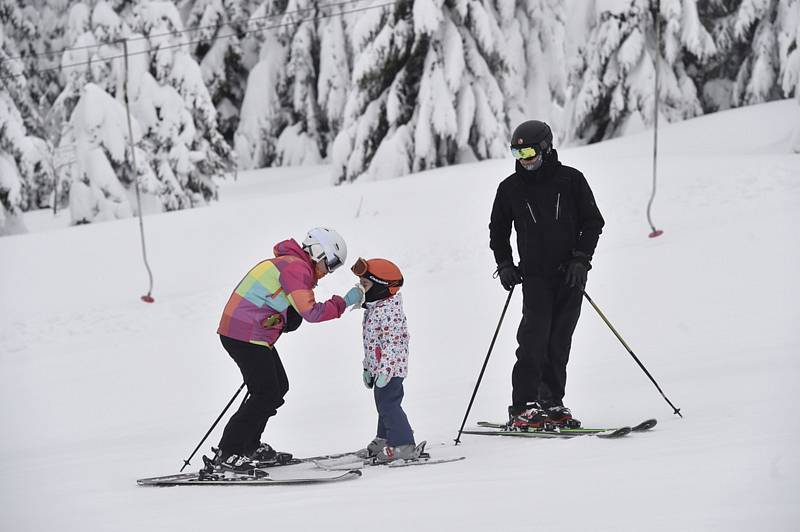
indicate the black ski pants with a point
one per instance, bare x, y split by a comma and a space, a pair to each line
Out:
266, 383
550, 311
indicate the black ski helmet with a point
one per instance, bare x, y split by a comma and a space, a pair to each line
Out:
533, 133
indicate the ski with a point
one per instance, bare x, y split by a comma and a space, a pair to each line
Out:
356, 461
343, 464
235, 479
563, 432
616, 433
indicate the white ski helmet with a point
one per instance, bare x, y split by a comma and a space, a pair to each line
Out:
326, 244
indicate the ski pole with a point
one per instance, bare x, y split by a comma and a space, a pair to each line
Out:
674, 408
186, 462
486, 361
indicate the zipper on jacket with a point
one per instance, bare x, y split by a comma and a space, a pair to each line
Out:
558, 204
531, 211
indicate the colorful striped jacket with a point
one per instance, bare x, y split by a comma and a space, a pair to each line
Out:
268, 289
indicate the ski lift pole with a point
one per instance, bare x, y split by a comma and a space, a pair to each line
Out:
147, 298
675, 410
656, 12
483, 368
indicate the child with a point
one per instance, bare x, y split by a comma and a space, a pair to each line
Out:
385, 358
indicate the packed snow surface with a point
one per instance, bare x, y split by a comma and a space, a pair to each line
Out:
99, 388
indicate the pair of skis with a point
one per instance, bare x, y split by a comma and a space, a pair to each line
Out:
350, 463
502, 429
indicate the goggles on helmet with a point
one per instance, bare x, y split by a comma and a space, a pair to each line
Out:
527, 152
361, 269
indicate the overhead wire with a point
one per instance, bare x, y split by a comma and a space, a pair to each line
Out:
34, 72
233, 22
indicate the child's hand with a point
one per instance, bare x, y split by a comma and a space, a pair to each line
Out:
368, 381
382, 380
354, 297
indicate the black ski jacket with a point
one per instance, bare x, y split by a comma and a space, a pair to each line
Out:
553, 212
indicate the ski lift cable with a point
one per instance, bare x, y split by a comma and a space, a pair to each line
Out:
656, 12
147, 298
189, 43
185, 30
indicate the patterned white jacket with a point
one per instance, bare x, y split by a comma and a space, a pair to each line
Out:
386, 338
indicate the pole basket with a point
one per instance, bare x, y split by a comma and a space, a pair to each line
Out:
655, 233
148, 299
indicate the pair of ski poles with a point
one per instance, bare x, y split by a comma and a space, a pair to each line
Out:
603, 316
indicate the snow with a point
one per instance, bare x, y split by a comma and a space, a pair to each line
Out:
100, 389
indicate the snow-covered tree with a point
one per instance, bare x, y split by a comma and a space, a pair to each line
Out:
262, 115
98, 129
290, 115
536, 44
26, 178
613, 83
426, 89
220, 26
176, 110
756, 40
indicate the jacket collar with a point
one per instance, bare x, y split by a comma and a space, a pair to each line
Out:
385, 301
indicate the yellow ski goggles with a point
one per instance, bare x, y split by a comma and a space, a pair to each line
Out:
528, 152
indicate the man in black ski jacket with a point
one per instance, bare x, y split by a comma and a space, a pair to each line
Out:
557, 222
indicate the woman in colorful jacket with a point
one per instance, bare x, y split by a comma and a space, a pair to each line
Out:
274, 297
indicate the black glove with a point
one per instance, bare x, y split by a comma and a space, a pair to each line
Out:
509, 274
576, 270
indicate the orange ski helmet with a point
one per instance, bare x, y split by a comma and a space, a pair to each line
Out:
381, 271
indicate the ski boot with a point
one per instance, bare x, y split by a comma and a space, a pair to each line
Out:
232, 466
409, 451
266, 456
527, 418
372, 449
560, 416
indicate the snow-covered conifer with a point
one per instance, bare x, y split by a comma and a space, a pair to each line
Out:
426, 89
536, 44
177, 111
26, 178
98, 129
220, 27
262, 115
612, 87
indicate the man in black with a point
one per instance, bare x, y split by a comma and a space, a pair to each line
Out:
557, 224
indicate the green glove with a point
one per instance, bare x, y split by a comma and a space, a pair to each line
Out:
382, 380
368, 380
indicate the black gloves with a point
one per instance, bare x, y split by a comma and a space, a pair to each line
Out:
576, 270
509, 274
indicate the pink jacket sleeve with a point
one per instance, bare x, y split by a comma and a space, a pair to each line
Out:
298, 283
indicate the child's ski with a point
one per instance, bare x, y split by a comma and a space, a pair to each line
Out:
355, 461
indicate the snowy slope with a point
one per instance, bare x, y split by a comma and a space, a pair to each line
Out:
100, 389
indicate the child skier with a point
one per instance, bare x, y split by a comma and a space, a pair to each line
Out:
274, 297
385, 362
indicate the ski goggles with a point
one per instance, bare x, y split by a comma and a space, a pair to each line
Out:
527, 152
361, 269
